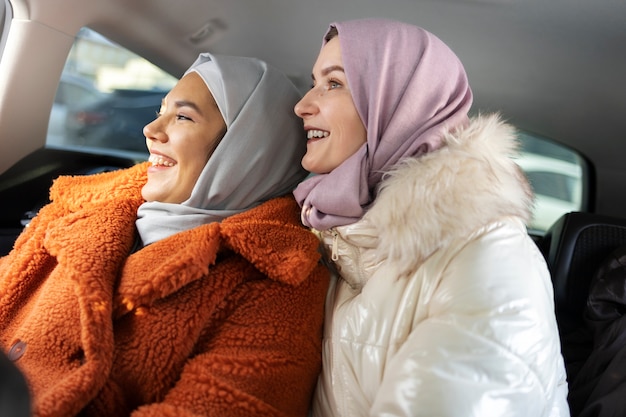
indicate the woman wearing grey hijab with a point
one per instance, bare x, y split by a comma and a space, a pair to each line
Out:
181, 286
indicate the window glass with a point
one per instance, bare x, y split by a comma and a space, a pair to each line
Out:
5, 20
558, 176
105, 97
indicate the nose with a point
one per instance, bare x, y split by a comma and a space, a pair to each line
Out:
154, 131
307, 106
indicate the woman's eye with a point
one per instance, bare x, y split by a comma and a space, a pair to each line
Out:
182, 117
334, 84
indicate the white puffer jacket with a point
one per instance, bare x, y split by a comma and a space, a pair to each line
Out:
446, 305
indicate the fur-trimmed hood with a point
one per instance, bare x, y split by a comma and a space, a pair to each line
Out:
473, 180
424, 203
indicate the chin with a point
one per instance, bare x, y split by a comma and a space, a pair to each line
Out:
148, 195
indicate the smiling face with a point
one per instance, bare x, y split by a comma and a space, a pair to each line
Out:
181, 140
334, 129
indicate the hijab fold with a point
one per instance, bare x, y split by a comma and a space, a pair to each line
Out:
257, 159
408, 88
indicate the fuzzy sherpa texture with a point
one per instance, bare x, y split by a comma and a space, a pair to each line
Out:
224, 319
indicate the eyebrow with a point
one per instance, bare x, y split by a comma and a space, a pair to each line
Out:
185, 103
330, 69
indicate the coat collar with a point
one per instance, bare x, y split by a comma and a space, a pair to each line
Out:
268, 237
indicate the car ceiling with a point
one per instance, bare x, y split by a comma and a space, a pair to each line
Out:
553, 67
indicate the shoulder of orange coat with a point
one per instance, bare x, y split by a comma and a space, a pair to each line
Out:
273, 239
77, 191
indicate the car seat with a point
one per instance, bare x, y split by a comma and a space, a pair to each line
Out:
574, 247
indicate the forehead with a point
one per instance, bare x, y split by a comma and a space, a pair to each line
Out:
329, 56
191, 88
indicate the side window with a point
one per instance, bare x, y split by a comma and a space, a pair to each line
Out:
5, 21
105, 97
559, 177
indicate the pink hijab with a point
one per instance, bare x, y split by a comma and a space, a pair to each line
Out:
408, 88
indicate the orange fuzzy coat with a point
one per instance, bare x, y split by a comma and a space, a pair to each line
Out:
221, 320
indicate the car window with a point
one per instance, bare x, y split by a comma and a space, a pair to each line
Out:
559, 177
5, 20
106, 95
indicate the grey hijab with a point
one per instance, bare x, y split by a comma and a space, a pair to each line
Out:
257, 159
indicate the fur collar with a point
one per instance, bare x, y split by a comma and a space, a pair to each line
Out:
424, 203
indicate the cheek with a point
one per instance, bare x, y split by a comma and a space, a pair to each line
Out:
353, 135
358, 132
190, 173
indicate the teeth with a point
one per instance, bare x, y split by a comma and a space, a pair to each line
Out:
159, 160
316, 134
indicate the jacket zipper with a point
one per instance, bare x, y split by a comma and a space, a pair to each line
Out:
334, 255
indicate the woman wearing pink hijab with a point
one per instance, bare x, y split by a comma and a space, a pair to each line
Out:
442, 304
